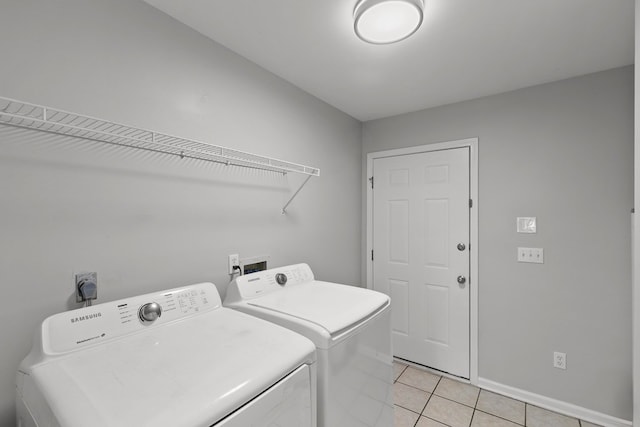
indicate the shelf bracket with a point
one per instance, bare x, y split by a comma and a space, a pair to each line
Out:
284, 209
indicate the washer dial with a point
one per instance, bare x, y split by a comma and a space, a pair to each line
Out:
149, 312
281, 278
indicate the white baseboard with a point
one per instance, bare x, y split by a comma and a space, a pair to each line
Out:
554, 405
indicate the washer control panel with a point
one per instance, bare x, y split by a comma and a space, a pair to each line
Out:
257, 284
77, 329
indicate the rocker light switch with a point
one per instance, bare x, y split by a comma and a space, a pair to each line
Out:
526, 224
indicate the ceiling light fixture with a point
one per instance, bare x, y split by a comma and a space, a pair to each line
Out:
387, 21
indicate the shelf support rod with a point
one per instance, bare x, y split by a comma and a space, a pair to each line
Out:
284, 209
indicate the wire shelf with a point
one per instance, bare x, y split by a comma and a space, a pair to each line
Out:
46, 119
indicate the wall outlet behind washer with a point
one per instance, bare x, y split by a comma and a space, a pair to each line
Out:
82, 279
234, 260
559, 360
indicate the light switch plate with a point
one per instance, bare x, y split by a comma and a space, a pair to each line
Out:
526, 224
533, 255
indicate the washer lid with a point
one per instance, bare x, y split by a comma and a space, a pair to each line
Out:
189, 373
331, 306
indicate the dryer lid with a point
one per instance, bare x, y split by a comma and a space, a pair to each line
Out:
331, 306
188, 373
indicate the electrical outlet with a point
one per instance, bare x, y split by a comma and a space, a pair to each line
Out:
86, 286
559, 360
234, 259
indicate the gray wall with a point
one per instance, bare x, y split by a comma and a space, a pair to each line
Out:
562, 152
636, 231
148, 221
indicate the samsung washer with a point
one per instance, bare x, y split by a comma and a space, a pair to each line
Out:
174, 358
351, 329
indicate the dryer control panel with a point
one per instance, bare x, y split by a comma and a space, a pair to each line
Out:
76, 329
263, 282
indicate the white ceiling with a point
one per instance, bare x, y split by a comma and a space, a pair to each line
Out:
465, 48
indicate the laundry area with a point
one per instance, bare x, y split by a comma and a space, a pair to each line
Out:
241, 213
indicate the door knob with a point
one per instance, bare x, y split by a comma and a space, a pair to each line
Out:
462, 280
461, 247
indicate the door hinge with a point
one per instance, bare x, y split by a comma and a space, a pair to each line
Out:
371, 180
371, 254
470, 203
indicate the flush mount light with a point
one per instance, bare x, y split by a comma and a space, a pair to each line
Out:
387, 21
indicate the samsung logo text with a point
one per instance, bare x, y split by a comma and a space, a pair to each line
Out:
85, 317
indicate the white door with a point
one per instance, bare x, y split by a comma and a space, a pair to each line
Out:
421, 205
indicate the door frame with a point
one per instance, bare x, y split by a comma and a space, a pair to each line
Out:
472, 144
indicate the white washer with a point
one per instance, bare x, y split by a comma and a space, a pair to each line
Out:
351, 329
196, 365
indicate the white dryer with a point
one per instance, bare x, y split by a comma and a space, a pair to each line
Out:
351, 329
174, 358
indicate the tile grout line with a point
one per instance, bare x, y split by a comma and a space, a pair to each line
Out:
432, 419
524, 421
454, 401
474, 407
425, 405
396, 380
427, 402
413, 387
430, 396
498, 416
411, 410
401, 372
473, 414
477, 398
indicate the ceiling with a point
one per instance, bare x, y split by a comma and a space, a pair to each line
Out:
465, 49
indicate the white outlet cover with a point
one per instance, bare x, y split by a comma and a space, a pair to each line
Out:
559, 360
526, 224
531, 255
234, 259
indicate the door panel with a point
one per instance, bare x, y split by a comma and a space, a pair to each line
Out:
435, 300
436, 236
399, 293
420, 214
398, 231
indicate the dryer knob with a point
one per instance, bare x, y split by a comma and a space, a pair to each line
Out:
281, 278
150, 312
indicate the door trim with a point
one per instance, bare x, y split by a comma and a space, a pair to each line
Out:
472, 143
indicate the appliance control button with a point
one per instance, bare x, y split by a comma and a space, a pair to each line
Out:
150, 312
281, 278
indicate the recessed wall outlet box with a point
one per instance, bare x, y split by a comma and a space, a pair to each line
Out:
234, 260
533, 255
86, 286
526, 224
559, 360
254, 264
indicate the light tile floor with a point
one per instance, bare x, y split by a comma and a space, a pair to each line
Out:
423, 399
